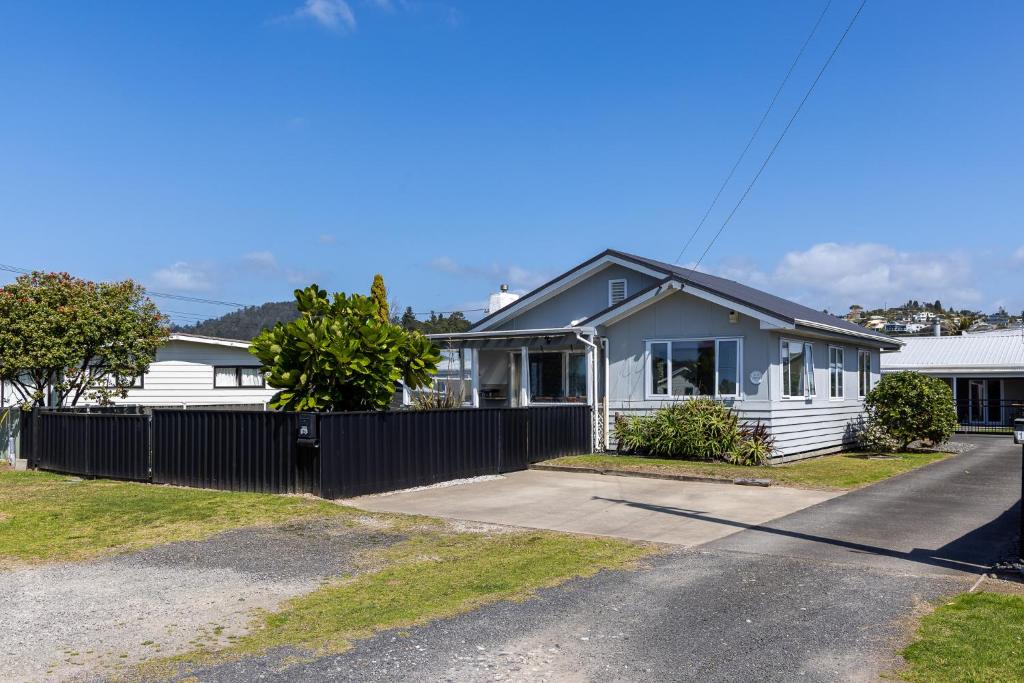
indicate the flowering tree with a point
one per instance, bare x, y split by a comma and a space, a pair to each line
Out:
340, 355
75, 338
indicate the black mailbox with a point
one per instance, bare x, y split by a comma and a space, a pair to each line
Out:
1018, 430
307, 435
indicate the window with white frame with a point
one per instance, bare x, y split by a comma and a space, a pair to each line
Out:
616, 291
835, 372
677, 368
797, 369
237, 377
864, 372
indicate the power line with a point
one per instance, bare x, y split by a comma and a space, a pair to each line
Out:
785, 130
757, 129
164, 295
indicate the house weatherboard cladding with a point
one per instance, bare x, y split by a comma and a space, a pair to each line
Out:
650, 333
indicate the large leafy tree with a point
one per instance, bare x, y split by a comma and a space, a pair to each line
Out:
75, 338
339, 356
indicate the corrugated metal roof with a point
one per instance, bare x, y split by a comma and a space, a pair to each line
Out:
1003, 351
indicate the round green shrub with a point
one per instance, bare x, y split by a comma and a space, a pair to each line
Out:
908, 406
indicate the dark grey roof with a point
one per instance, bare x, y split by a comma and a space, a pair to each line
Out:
776, 306
756, 298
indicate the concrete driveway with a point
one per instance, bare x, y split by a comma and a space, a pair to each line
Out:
627, 507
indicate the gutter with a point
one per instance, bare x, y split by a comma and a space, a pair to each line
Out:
839, 330
513, 334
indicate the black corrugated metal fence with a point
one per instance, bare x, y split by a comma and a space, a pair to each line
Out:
358, 453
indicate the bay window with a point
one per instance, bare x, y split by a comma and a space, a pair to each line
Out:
797, 369
677, 368
835, 372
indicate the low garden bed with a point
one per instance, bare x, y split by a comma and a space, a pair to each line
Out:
842, 472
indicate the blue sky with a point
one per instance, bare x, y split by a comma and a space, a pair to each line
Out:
238, 150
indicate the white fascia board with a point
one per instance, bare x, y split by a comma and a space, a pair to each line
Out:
562, 284
656, 294
510, 334
768, 322
198, 339
887, 341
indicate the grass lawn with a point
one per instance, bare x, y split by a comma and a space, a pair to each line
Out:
49, 517
974, 638
432, 575
834, 472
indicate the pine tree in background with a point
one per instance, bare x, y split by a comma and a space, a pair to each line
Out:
379, 294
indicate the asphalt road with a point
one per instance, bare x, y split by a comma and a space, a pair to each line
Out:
823, 594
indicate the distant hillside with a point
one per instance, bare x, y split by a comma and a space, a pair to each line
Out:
246, 323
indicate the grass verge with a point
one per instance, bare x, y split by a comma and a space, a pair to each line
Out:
974, 638
429, 576
831, 472
49, 517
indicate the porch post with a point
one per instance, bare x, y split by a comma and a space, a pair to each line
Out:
474, 375
590, 376
462, 374
524, 376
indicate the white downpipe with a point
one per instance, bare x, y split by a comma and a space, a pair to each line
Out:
607, 387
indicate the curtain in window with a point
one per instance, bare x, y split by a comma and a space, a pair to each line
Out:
251, 377
225, 377
809, 369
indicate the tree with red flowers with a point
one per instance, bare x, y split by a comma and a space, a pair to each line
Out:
76, 339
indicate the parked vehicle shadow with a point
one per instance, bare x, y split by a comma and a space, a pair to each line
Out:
973, 552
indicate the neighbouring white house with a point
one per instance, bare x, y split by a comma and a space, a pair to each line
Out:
985, 371
626, 335
192, 370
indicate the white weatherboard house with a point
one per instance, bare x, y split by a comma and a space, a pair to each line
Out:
985, 371
192, 371
627, 334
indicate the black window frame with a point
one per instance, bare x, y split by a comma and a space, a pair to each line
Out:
238, 377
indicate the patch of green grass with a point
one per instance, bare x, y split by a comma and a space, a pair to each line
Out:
832, 472
49, 517
428, 576
974, 638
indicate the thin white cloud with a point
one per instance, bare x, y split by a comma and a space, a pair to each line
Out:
832, 275
182, 277
517, 277
327, 238
260, 259
333, 14
1018, 256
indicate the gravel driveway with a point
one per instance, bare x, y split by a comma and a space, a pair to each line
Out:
90, 619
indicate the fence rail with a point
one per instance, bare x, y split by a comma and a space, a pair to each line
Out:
980, 416
358, 453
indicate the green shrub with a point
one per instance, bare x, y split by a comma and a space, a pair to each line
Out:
908, 406
699, 428
755, 446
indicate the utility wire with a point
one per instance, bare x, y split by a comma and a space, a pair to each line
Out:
176, 297
782, 135
757, 129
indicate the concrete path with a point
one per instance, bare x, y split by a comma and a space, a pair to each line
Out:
627, 507
821, 595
